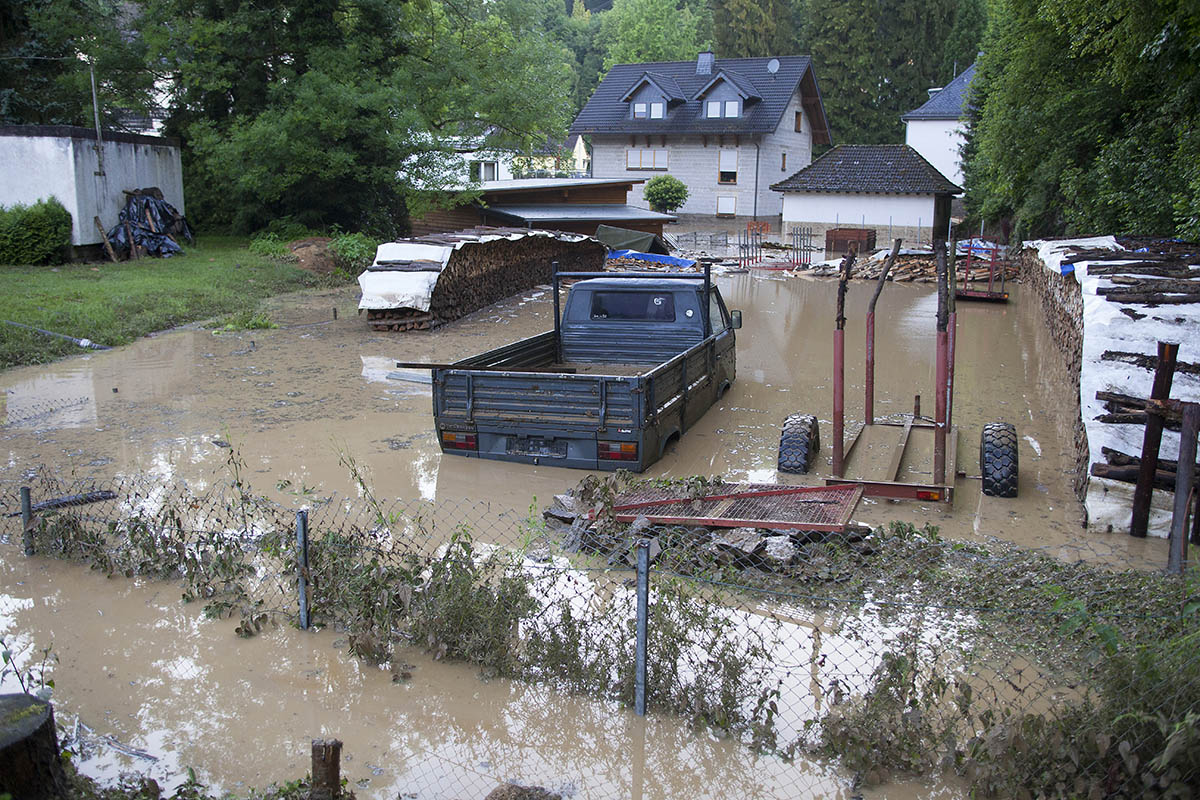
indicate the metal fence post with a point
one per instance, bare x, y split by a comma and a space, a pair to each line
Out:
643, 613
27, 520
302, 564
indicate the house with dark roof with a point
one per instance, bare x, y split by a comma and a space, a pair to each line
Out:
889, 188
938, 128
727, 128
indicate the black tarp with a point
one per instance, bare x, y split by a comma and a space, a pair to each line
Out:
152, 222
624, 239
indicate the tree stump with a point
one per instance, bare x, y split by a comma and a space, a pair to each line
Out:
29, 761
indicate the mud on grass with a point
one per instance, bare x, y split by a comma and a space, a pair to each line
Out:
113, 304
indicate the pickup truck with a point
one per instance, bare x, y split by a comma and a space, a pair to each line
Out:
634, 360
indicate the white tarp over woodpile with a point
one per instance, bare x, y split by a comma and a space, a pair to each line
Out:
426, 281
1124, 327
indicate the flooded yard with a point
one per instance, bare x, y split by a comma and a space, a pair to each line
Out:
298, 402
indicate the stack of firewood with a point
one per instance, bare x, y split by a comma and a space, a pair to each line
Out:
1146, 278
635, 264
923, 269
486, 266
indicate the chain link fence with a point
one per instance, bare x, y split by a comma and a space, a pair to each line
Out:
872, 653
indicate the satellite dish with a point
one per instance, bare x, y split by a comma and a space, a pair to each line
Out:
773, 66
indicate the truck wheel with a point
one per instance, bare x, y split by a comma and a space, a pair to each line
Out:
799, 443
998, 459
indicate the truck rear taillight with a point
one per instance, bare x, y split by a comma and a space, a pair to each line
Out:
616, 451
459, 441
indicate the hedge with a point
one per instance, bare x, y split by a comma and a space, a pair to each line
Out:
36, 234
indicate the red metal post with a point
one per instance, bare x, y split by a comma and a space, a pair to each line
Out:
839, 398
869, 412
950, 371
939, 435
992, 268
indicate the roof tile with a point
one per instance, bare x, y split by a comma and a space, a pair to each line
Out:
869, 169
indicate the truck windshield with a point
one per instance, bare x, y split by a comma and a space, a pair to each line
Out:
656, 306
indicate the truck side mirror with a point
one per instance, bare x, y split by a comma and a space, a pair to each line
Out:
735, 318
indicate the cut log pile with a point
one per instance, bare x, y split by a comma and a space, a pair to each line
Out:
633, 264
477, 267
920, 269
1124, 467
1147, 278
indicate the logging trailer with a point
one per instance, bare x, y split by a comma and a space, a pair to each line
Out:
799, 439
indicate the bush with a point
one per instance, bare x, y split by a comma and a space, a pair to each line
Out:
268, 245
34, 235
666, 193
353, 252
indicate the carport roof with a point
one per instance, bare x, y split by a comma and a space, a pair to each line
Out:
570, 212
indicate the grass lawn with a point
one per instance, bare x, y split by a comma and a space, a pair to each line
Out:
114, 304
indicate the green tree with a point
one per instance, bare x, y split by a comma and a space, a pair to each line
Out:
46, 49
665, 193
874, 61
1068, 136
651, 30
348, 112
962, 43
849, 67
749, 28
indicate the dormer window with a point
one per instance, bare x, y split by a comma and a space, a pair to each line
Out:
731, 108
639, 110
713, 109
658, 110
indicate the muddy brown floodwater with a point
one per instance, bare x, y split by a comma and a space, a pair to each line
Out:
152, 675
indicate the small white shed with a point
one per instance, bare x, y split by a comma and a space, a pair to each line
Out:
62, 161
889, 188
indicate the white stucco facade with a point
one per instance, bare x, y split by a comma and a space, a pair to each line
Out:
907, 216
858, 210
940, 142
39, 162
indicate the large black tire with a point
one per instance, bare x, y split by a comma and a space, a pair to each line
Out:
799, 443
998, 459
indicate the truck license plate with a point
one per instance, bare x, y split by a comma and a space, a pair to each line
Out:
551, 448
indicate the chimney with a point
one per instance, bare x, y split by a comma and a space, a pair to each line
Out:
704, 63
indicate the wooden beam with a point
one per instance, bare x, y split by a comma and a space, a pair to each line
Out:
1163, 375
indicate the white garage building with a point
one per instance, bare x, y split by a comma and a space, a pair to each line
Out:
886, 188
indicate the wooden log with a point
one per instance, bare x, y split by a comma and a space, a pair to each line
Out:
1164, 271
1163, 375
1148, 298
1119, 459
29, 761
1157, 284
1136, 418
104, 237
1163, 479
1147, 362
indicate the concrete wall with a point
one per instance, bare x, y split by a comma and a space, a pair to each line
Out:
938, 140
695, 160
38, 162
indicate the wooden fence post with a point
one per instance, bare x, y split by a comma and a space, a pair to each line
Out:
326, 769
1163, 375
1184, 480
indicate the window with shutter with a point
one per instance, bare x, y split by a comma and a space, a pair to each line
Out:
727, 166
